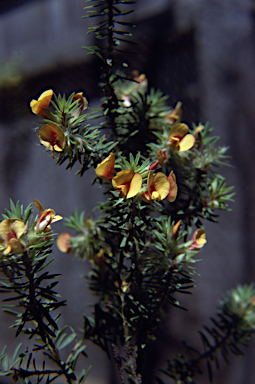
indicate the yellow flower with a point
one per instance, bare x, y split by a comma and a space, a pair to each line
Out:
176, 114
157, 188
179, 137
52, 137
198, 129
83, 104
104, 170
63, 243
43, 102
128, 183
199, 240
11, 231
173, 187
46, 217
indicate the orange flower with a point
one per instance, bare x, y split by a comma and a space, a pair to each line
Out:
104, 170
52, 137
199, 240
43, 102
175, 230
173, 187
11, 231
46, 217
157, 187
63, 243
175, 114
179, 137
128, 183
83, 104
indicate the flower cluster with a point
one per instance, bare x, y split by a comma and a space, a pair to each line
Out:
129, 182
53, 135
16, 235
126, 92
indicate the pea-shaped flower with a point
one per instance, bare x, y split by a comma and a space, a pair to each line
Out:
11, 231
82, 104
199, 240
127, 182
105, 169
158, 187
46, 217
180, 138
52, 137
43, 102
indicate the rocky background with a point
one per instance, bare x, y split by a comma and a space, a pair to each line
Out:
198, 51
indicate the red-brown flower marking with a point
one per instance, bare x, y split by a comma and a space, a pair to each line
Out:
52, 137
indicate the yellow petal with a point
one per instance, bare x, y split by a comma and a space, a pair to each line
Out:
43, 102
11, 225
200, 237
155, 195
52, 137
104, 169
19, 228
186, 143
7, 250
179, 130
56, 218
122, 178
162, 185
135, 185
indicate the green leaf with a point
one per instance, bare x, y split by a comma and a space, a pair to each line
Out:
67, 341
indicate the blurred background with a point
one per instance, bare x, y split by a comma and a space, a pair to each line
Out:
198, 51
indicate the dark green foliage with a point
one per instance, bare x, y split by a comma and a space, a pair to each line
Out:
232, 328
33, 301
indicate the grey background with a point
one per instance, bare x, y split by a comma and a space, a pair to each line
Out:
197, 51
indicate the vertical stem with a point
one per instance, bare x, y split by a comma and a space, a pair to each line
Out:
112, 101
